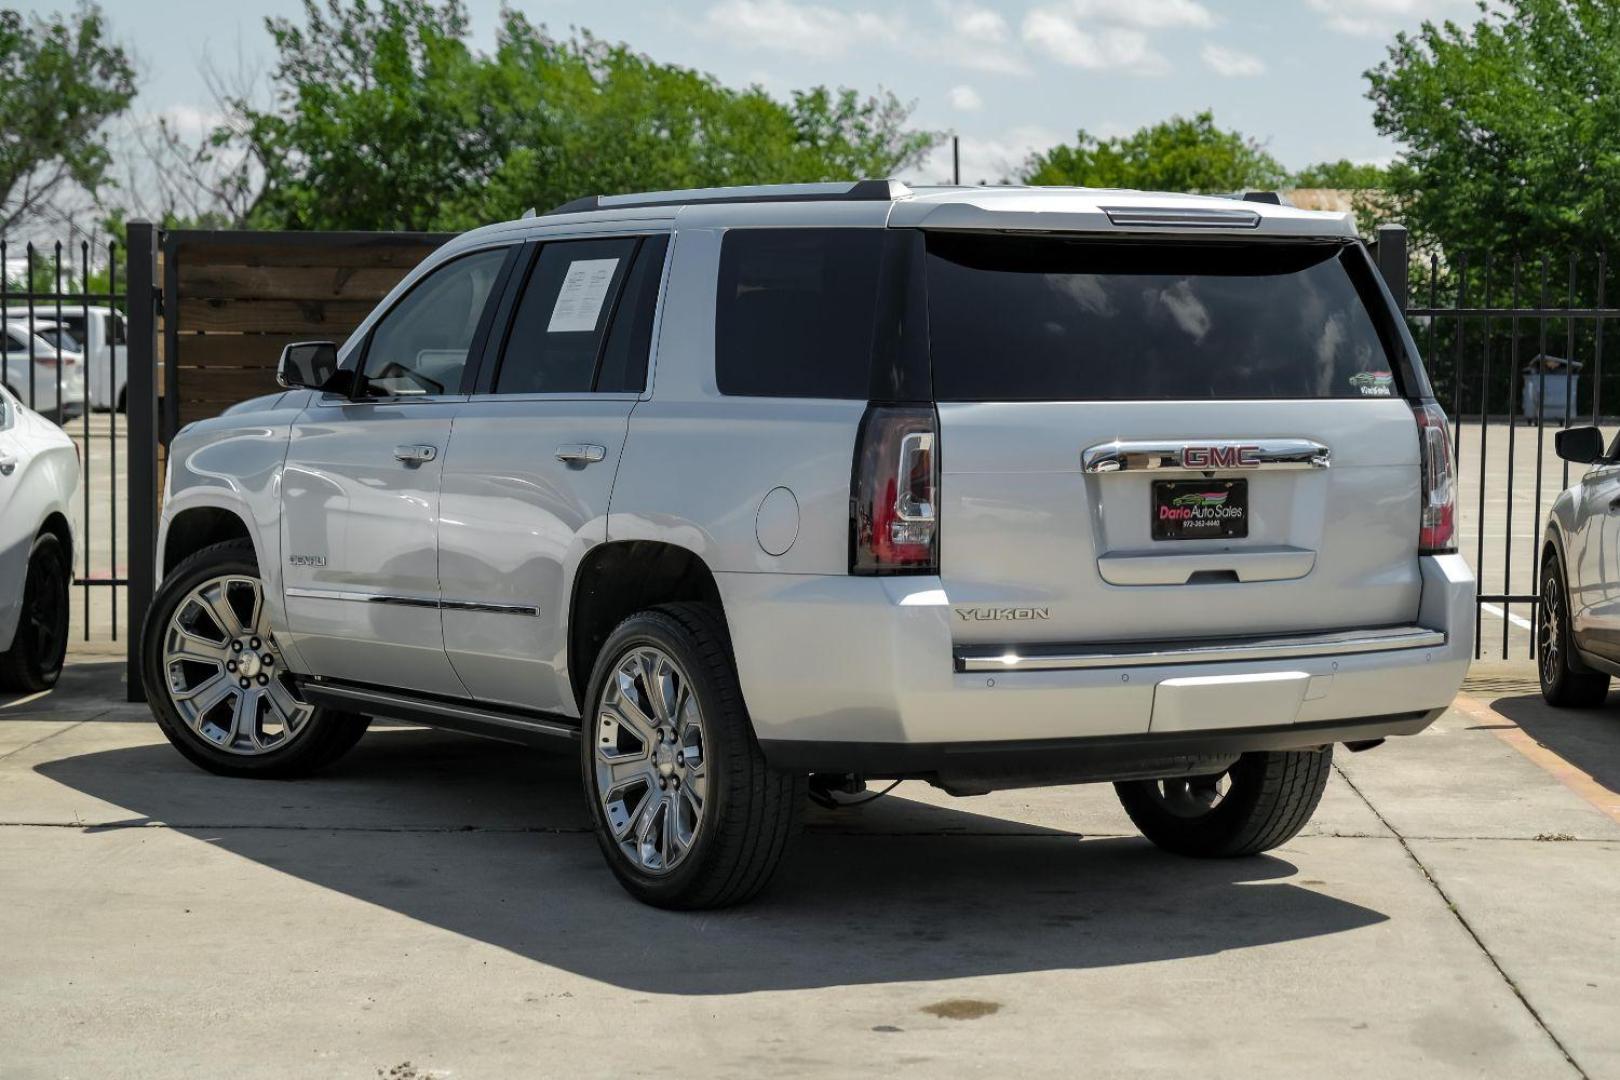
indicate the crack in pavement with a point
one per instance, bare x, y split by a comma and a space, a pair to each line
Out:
46, 738
1468, 928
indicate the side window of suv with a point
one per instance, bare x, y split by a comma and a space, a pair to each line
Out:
584, 320
419, 348
795, 312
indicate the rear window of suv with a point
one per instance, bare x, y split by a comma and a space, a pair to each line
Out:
1040, 319
795, 312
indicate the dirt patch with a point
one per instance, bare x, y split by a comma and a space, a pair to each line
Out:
962, 1009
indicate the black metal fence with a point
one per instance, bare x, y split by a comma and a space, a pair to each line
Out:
49, 295
1515, 349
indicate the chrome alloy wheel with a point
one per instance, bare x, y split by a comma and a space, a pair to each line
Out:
225, 673
651, 766
1552, 614
1193, 796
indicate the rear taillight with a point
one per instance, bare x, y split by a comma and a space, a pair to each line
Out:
894, 513
1437, 534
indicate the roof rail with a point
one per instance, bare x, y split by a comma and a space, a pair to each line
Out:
859, 191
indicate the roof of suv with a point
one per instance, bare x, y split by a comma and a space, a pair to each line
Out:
1002, 207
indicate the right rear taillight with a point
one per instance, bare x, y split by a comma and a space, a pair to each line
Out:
1437, 533
894, 509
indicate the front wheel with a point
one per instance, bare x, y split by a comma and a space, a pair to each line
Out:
686, 810
216, 680
39, 645
1562, 683
1261, 802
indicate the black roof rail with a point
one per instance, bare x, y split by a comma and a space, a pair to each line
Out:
859, 191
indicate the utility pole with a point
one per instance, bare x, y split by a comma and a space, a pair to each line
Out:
956, 160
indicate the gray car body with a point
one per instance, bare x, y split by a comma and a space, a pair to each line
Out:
482, 550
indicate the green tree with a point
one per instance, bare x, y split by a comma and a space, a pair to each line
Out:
1178, 154
385, 118
1343, 174
1509, 128
61, 81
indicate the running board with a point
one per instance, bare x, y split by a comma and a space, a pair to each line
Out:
468, 717
1205, 651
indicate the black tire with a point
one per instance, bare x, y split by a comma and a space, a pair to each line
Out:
326, 736
39, 645
1270, 797
123, 400
750, 810
1565, 681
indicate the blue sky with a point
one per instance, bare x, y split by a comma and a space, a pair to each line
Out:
1008, 76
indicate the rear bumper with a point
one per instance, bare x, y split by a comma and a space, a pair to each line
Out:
862, 675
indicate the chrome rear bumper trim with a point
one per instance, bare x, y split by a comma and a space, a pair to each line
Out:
1145, 654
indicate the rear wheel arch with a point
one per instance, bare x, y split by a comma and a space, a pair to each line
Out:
199, 527
617, 579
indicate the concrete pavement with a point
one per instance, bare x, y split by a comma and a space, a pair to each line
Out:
432, 906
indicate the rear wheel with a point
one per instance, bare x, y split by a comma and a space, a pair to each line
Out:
216, 680
1562, 683
1261, 802
686, 809
39, 646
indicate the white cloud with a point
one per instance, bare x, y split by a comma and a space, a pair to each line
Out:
1146, 14
1231, 63
804, 29
1059, 34
966, 99
989, 160
1379, 18
976, 38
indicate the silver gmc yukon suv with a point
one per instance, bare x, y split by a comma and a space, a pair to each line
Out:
758, 494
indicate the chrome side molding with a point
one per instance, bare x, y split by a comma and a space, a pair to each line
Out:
1208, 455
354, 596
1145, 654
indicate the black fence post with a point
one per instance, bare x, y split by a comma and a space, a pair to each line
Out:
1391, 255
140, 281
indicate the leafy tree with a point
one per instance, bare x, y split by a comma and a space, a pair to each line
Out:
1510, 127
385, 118
1343, 174
61, 81
1178, 154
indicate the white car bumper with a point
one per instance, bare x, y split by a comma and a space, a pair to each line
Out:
864, 671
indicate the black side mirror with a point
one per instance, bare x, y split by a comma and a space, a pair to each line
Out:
1582, 445
307, 364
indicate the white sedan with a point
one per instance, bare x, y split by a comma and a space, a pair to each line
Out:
40, 375
39, 470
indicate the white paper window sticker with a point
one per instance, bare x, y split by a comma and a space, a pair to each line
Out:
579, 301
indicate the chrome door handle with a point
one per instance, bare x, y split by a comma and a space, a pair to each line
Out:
416, 455
583, 452
7, 465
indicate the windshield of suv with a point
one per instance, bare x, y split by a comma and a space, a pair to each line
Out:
1042, 319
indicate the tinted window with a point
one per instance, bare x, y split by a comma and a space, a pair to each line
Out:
1013, 319
115, 325
629, 340
562, 317
795, 312
420, 346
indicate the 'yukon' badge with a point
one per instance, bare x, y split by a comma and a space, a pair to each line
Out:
1001, 614
307, 560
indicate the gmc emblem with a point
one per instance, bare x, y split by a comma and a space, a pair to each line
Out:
1229, 456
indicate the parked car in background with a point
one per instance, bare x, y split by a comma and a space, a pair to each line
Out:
98, 333
46, 379
750, 493
1578, 631
39, 470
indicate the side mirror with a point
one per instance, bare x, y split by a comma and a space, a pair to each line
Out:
307, 364
1582, 445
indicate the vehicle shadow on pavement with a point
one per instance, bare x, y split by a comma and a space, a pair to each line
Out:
491, 842
1589, 739
85, 686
